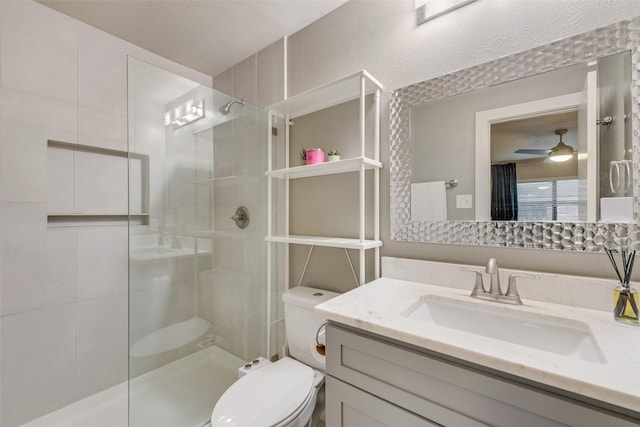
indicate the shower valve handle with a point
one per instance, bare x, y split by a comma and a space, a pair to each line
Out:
241, 217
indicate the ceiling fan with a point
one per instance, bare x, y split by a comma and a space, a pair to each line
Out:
560, 153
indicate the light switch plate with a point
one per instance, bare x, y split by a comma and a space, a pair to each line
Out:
464, 201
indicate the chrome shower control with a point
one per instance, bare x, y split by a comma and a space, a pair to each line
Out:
241, 217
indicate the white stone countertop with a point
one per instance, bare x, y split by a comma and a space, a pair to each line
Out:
377, 306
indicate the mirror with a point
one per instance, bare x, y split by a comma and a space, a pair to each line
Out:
472, 153
516, 126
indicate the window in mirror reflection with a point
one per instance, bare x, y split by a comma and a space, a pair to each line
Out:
554, 200
521, 153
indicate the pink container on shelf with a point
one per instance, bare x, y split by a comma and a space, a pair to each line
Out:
315, 155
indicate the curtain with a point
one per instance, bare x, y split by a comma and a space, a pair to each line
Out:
504, 192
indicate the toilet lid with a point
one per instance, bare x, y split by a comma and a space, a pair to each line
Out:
264, 397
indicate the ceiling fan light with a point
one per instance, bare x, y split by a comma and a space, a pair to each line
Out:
560, 157
561, 152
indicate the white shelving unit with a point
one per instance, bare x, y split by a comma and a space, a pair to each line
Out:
355, 86
340, 166
330, 242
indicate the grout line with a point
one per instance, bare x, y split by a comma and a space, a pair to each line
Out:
77, 285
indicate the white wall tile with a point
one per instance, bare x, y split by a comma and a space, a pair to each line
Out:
100, 183
102, 71
100, 129
39, 50
38, 265
38, 363
271, 74
244, 80
23, 164
58, 119
102, 343
102, 262
60, 180
138, 183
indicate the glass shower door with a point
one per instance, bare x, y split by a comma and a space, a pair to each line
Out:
197, 291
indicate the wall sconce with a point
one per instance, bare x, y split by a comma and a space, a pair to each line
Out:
185, 113
427, 10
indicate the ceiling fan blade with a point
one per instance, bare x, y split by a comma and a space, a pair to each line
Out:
532, 152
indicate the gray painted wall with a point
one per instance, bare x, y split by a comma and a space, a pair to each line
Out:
382, 37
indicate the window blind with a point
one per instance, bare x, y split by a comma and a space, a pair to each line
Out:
553, 200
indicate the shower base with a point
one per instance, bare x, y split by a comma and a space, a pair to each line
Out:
179, 394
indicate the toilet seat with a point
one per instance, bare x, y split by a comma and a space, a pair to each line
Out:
269, 396
288, 420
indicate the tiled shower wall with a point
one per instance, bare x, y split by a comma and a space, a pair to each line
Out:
259, 80
63, 285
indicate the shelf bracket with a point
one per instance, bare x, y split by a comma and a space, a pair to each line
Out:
304, 270
346, 252
355, 276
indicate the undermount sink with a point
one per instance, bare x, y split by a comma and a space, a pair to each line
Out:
565, 337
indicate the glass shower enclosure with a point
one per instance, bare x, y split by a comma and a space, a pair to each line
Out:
197, 256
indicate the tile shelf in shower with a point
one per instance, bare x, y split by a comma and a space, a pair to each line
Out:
95, 149
90, 220
74, 214
327, 168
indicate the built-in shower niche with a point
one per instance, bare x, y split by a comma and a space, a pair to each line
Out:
88, 185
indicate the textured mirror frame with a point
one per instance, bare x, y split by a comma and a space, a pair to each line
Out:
574, 236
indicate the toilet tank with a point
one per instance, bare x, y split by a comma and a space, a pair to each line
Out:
302, 323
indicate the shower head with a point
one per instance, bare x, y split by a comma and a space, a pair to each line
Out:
226, 108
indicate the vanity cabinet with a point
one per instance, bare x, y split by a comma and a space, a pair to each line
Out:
376, 381
356, 408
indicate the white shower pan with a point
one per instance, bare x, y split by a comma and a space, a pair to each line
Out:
192, 384
170, 337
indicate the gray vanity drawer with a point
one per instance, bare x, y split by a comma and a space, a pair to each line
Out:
439, 389
348, 406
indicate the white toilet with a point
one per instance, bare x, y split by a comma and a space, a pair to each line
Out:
284, 393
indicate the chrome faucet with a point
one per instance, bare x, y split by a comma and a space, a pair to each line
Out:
494, 275
495, 292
